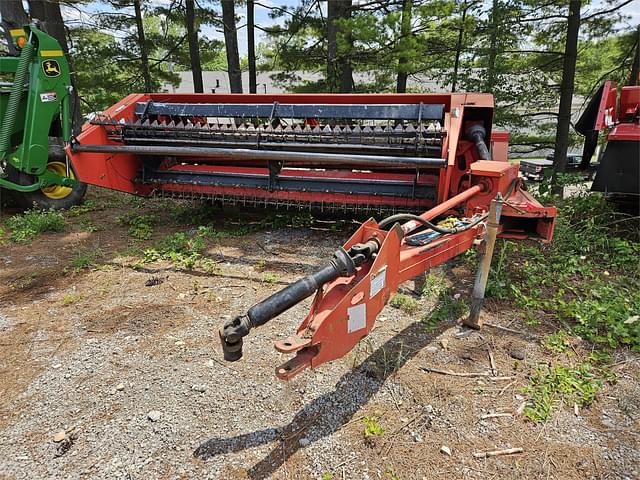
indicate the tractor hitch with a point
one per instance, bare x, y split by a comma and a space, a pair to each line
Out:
343, 264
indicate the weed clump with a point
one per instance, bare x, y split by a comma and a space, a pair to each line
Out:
588, 278
140, 226
85, 258
28, 225
372, 428
180, 248
269, 278
405, 303
550, 387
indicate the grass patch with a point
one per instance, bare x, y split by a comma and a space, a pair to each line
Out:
372, 428
588, 278
86, 207
390, 473
140, 225
85, 258
448, 307
269, 278
550, 387
28, 225
405, 303
433, 285
556, 342
189, 214
70, 298
181, 248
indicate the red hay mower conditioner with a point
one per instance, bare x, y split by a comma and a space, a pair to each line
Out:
397, 153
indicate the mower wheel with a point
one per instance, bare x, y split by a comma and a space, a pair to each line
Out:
54, 197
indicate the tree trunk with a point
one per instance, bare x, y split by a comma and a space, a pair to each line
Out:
405, 31
194, 48
332, 45
493, 47
566, 93
231, 44
634, 76
339, 70
51, 20
251, 47
142, 42
13, 16
456, 63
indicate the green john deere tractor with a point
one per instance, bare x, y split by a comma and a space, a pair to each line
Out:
35, 123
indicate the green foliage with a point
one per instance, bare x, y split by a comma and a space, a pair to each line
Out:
70, 298
179, 248
327, 476
372, 427
85, 258
269, 278
86, 207
140, 226
405, 303
190, 214
433, 285
549, 386
588, 277
556, 342
447, 308
28, 225
390, 473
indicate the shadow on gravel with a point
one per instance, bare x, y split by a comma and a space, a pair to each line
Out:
329, 412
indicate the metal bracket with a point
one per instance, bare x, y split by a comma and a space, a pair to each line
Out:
275, 168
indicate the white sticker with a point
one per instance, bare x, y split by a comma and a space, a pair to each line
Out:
378, 281
48, 97
357, 317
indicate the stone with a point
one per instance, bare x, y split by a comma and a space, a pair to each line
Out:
517, 353
154, 415
120, 387
60, 436
179, 343
446, 450
304, 442
428, 409
199, 388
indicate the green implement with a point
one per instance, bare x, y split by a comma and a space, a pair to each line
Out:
35, 121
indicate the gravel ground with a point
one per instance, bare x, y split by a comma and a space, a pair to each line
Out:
133, 378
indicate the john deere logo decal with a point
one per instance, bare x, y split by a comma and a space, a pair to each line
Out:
51, 68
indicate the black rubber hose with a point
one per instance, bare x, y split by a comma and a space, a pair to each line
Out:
477, 134
408, 216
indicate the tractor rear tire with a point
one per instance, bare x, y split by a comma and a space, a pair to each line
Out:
50, 198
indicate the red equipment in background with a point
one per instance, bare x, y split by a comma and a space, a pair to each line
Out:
618, 173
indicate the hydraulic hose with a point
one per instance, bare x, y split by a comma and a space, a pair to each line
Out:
9, 120
408, 216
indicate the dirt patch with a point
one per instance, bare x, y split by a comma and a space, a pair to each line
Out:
94, 351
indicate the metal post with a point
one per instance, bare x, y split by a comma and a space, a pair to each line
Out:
482, 276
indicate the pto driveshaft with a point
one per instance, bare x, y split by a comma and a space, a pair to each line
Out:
343, 264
